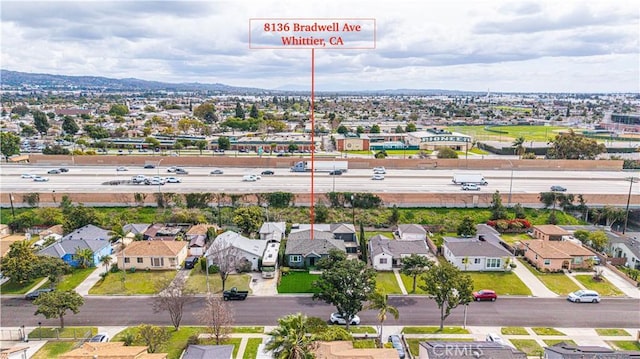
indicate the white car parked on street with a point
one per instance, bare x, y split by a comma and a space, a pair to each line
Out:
337, 318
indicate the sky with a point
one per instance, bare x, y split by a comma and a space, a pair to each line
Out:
468, 45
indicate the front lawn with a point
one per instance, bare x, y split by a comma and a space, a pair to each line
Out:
434, 330
139, 282
558, 283
611, 332
387, 283
355, 329
504, 283
197, 282
546, 331
10, 287
52, 350
387, 234
251, 350
408, 284
627, 345
513, 331
604, 287
71, 281
528, 346
297, 282
364, 343
245, 330
66, 333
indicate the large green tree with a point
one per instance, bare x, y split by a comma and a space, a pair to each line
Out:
84, 256
70, 126
239, 111
446, 152
248, 219
9, 144
347, 284
206, 112
118, 110
290, 339
518, 146
152, 336
498, 211
40, 121
414, 266
224, 143
20, 263
467, 228
571, 146
449, 287
56, 304
253, 113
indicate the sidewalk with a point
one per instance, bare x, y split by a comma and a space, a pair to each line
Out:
90, 281
538, 289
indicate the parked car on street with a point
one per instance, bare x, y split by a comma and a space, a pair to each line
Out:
235, 294
36, 293
584, 296
149, 166
337, 318
397, 344
495, 338
485, 294
379, 170
100, 338
558, 189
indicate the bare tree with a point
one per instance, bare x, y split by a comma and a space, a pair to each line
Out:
225, 257
217, 316
172, 297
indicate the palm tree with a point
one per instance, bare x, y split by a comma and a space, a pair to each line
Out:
116, 233
290, 339
105, 261
84, 257
380, 302
518, 146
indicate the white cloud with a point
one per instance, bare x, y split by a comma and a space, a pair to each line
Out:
577, 46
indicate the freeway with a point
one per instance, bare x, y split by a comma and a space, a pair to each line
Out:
414, 310
88, 179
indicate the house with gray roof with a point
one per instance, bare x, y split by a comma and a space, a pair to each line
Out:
346, 232
563, 350
135, 228
250, 249
467, 350
386, 254
302, 251
476, 254
626, 247
411, 232
272, 231
208, 351
88, 237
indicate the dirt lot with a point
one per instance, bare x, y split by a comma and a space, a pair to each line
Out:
5, 242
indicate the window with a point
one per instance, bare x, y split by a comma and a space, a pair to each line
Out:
157, 262
383, 260
493, 262
547, 262
126, 259
139, 260
295, 258
476, 260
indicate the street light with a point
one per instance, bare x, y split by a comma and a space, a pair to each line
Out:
626, 217
40, 329
353, 212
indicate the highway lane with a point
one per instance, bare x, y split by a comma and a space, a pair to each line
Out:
91, 179
414, 310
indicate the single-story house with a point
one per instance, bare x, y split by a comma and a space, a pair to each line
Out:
386, 254
208, 351
556, 255
272, 231
302, 251
118, 350
56, 232
563, 350
158, 255
625, 247
165, 232
345, 232
467, 350
549, 232
135, 228
344, 349
412, 232
250, 249
88, 237
197, 237
470, 254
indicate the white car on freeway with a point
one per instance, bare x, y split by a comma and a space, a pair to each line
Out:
173, 180
26, 175
379, 170
40, 179
378, 177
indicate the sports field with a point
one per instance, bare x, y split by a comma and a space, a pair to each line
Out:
530, 133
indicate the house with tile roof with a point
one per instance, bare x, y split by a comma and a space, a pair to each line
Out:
88, 237
117, 350
386, 254
302, 251
250, 249
155, 255
550, 232
554, 256
476, 254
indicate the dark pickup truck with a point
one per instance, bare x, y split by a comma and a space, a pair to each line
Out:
235, 294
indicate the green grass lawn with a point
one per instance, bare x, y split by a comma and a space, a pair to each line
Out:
174, 346
628, 345
386, 282
504, 283
551, 342
197, 282
364, 343
408, 284
140, 282
434, 330
558, 283
71, 281
604, 287
251, 350
355, 329
546, 331
611, 332
258, 330
512, 238
387, 234
514, 331
297, 282
528, 346
530, 133
52, 350
67, 332
14, 288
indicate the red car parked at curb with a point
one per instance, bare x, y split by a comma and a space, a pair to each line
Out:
485, 294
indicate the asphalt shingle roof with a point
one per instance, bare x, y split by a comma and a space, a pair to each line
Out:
474, 248
319, 245
381, 244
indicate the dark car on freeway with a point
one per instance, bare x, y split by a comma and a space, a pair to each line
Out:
558, 189
36, 293
335, 173
267, 173
149, 166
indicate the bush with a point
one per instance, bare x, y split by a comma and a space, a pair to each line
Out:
284, 271
128, 338
214, 269
193, 340
132, 270
114, 268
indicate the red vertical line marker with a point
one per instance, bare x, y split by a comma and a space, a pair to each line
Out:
313, 149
